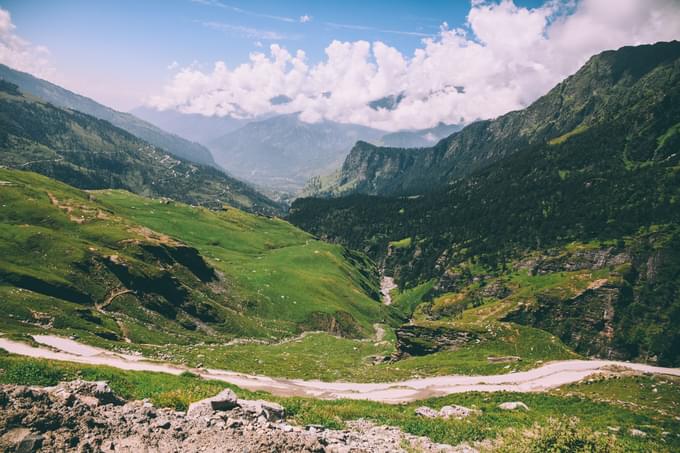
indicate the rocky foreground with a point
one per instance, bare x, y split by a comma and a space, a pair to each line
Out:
89, 417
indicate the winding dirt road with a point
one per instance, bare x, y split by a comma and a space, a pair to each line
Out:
546, 377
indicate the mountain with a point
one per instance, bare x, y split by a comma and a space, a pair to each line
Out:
116, 266
199, 128
91, 153
576, 232
63, 98
608, 84
419, 138
283, 152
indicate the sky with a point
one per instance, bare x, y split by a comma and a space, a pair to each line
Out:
424, 62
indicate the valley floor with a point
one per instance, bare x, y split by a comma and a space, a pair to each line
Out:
546, 377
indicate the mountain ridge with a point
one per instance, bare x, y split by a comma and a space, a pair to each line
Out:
91, 153
574, 232
597, 89
283, 152
61, 97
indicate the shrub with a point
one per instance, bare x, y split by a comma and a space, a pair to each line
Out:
559, 436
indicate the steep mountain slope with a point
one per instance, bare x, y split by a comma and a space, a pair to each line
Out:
576, 234
420, 138
283, 152
63, 98
91, 153
610, 84
199, 128
113, 265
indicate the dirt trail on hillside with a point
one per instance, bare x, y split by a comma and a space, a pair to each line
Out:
546, 377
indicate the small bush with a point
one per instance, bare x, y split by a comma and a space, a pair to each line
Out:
559, 436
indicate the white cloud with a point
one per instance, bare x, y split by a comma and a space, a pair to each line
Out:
504, 58
305, 18
21, 54
249, 32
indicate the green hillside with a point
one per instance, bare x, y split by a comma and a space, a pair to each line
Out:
66, 99
90, 153
116, 266
574, 232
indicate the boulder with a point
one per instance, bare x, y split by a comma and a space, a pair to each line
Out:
256, 408
91, 393
200, 409
455, 412
223, 401
513, 405
427, 412
21, 440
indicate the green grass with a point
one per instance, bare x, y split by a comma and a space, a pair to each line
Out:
321, 356
401, 244
588, 402
285, 270
406, 301
315, 356
672, 131
564, 137
274, 279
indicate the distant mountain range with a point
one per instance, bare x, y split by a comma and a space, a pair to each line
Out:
283, 152
64, 98
91, 153
198, 128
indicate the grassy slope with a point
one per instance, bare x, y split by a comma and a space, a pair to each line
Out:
630, 402
90, 153
276, 280
63, 98
288, 272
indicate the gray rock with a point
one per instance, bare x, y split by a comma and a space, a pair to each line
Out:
637, 433
224, 401
30, 443
425, 411
86, 391
256, 408
163, 423
455, 412
513, 405
200, 409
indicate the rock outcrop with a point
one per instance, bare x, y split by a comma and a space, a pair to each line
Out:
513, 406
446, 412
88, 417
414, 340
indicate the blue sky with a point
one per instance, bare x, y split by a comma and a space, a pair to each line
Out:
129, 43
231, 57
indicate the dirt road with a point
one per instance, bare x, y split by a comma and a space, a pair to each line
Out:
546, 377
